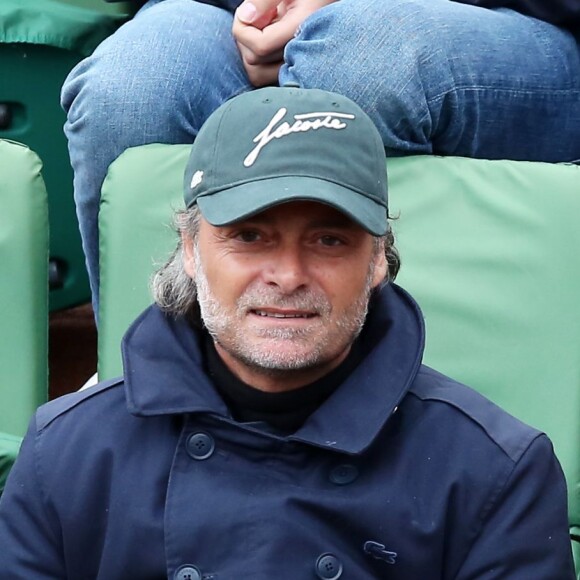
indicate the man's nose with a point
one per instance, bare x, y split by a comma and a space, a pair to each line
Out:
287, 269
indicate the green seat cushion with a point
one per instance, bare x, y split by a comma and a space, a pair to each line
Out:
152, 176
490, 249
57, 23
23, 287
40, 42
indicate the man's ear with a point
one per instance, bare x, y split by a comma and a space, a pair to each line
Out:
381, 266
188, 255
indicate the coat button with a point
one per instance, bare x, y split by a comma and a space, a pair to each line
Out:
328, 567
187, 572
200, 446
343, 474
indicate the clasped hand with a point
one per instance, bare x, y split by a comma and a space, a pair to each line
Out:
262, 28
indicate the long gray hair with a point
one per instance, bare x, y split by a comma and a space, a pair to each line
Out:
175, 292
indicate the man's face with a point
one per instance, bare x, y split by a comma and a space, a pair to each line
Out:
284, 293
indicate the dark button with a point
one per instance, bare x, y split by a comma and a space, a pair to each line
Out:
343, 474
187, 572
328, 567
200, 445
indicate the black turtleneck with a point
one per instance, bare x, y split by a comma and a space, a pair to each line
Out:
285, 411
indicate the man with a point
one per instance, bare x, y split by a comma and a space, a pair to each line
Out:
491, 79
274, 419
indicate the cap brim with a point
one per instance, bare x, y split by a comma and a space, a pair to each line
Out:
242, 201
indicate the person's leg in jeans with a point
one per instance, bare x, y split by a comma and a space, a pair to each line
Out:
155, 80
436, 77
441, 77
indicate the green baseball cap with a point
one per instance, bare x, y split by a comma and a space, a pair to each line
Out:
280, 144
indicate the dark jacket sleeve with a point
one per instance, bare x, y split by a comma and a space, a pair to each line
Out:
526, 532
30, 545
565, 13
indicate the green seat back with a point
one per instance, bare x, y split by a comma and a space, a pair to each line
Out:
40, 42
490, 249
23, 287
117, 8
152, 177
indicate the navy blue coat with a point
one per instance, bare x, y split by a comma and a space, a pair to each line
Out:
401, 474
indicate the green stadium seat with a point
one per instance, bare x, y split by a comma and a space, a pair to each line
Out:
23, 287
40, 42
490, 249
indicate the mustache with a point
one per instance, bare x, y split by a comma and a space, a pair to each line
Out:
305, 299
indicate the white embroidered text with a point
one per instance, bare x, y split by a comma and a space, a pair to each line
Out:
302, 123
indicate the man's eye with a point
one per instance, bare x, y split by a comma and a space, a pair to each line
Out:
330, 241
248, 236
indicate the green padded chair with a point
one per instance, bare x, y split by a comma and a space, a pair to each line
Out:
490, 249
23, 296
40, 42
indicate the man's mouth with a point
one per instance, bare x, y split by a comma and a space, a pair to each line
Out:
284, 315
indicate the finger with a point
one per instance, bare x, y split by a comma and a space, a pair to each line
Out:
263, 75
272, 38
251, 58
258, 13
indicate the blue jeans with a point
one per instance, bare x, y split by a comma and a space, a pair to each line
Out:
436, 76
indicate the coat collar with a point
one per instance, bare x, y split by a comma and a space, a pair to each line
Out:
164, 373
